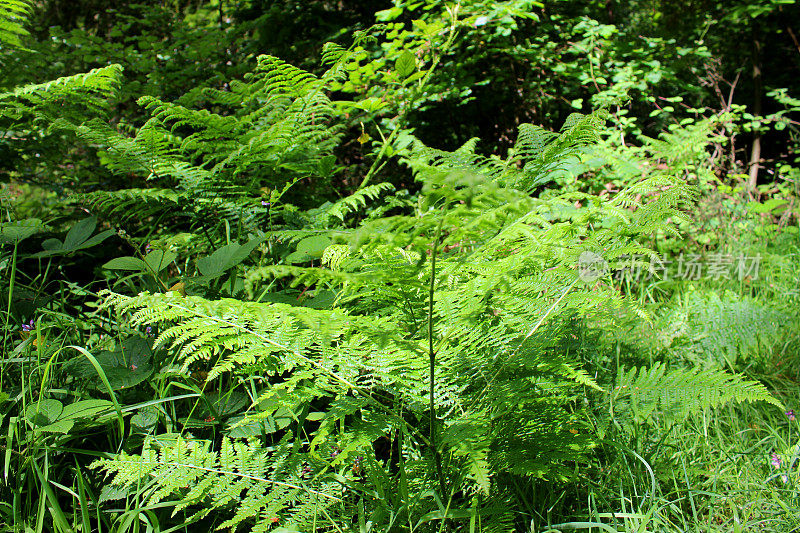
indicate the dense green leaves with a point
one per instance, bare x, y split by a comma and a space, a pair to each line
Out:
13, 14
394, 282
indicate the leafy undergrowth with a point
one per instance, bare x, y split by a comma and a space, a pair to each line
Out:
232, 327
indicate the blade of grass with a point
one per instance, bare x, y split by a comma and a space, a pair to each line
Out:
59, 518
104, 379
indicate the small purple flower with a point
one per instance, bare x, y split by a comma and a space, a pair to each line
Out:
29, 326
148, 331
790, 415
775, 460
265, 203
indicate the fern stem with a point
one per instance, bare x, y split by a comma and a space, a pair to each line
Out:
432, 361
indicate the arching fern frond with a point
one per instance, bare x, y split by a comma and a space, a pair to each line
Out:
271, 130
264, 485
679, 392
13, 14
131, 204
64, 99
357, 200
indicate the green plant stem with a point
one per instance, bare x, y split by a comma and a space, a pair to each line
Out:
12, 277
432, 362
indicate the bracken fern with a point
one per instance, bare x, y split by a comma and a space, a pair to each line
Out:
442, 336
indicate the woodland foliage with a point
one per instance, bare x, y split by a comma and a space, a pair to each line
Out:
255, 284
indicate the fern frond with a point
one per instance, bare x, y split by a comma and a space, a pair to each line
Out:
64, 99
13, 14
131, 204
357, 200
264, 484
679, 392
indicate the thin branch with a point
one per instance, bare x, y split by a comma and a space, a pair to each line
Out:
794, 38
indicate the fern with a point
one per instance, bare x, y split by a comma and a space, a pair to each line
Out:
41, 112
12, 16
132, 204
680, 392
504, 284
356, 200
64, 99
275, 127
464, 358
266, 486
718, 329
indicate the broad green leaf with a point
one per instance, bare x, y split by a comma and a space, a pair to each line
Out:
757, 207
19, 230
371, 104
158, 260
226, 258
89, 409
406, 64
59, 426
96, 239
44, 412
128, 365
322, 299
52, 245
298, 257
51, 416
47, 416
388, 15
126, 263
79, 233
226, 404
313, 246
775, 204
145, 419
241, 426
